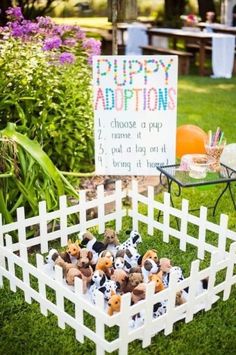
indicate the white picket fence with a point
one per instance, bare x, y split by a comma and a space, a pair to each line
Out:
223, 257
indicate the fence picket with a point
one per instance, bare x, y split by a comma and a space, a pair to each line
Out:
59, 295
100, 327
11, 264
118, 204
230, 271
79, 314
223, 228
124, 324
26, 277
150, 204
63, 220
101, 208
202, 233
166, 218
171, 303
82, 211
184, 225
20, 213
191, 301
215, 257
150, 289
42, 286
134, 194
43, 227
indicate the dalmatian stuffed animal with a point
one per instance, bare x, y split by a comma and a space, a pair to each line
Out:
133, 240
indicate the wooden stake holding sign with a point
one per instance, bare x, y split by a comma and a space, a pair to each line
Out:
135, 105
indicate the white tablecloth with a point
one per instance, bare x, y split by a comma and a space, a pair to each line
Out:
223, 47
136, 37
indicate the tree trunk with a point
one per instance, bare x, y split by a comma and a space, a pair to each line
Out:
4, 4
173, 10
204, 6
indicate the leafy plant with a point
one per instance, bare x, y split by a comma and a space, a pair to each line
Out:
45, 88
27, 175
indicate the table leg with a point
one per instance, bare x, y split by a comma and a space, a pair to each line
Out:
219, 198
232, 197
202, 55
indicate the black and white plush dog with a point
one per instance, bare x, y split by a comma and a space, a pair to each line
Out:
91, 243
98, 280
133, 240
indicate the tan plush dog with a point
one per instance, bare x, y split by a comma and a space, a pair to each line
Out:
73, 249
85, 257
110, 237
158, 282
105, 264
114, 304
150, 254
120, 277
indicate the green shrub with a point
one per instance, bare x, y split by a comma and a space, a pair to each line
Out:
45, 88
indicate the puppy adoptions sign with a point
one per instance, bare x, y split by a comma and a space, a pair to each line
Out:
135, 99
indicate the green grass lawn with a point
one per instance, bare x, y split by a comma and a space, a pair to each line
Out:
207, 103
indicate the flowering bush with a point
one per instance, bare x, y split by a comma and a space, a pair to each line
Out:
45, 87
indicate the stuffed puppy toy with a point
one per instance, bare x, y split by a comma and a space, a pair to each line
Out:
119, 262
121, 278
83, 273
91, 243
133, 240
132, 258
114, 304
149, 267
133, 280
156, 278
53, 254
84, 258
110, 240
138, 293
108, 288
98, 280
73, 250
150, 254
105, 264
108, 254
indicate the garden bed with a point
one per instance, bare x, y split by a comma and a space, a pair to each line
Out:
217, 253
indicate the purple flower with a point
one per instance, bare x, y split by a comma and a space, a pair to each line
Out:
52, 43
14, 13
92, 47
44, 21
67, 58
70, 42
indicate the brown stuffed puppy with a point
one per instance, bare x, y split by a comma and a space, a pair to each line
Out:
114, 304
121, 278
105, 264
134, 279
158, 282
73, 249
139, 293
110, 240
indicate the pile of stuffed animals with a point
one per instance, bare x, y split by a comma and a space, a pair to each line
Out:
115, 268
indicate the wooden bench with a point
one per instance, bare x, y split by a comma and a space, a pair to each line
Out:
184, 57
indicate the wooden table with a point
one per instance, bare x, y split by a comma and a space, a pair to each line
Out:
202, 38
217, 27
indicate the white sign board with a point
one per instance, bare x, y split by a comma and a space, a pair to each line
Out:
135, 101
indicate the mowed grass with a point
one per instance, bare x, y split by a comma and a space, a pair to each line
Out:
207, 103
